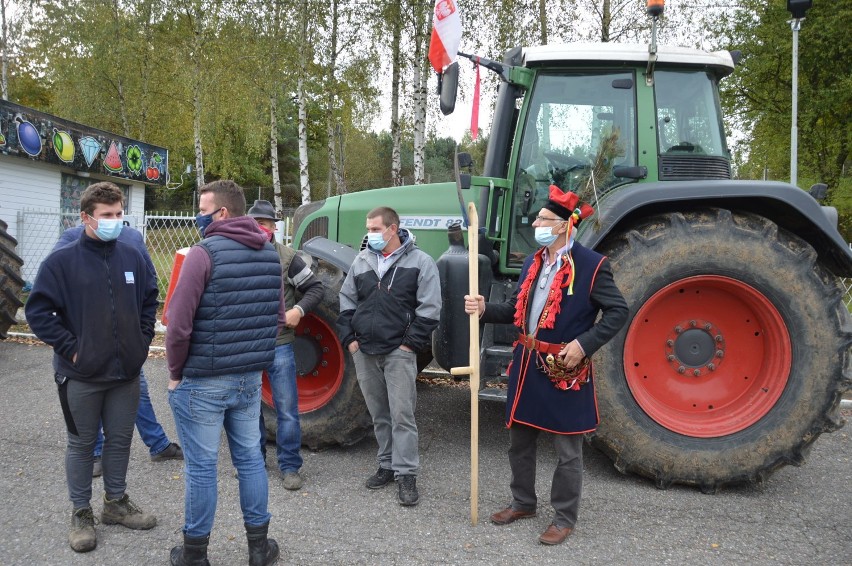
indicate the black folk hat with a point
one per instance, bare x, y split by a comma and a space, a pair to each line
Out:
263, 209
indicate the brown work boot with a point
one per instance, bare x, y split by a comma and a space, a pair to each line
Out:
82, 536
555, 535
124, 512
510, 515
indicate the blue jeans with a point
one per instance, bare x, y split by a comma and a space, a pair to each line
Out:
202, 406
282, 379
150, 431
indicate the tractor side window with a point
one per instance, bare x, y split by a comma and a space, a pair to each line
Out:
688, 117
578, 126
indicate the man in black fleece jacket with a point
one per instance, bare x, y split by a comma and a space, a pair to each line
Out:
95, 302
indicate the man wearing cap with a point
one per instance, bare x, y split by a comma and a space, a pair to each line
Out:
561, 289
296, 275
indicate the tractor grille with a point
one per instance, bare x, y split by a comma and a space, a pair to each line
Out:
317, 227
689, 168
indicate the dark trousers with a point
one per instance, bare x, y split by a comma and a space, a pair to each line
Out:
567, 484
85, 405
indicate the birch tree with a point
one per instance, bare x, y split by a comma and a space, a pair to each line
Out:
421, 66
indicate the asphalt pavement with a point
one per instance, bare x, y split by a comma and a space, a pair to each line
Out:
801, 515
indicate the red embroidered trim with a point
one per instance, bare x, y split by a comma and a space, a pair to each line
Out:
553, 305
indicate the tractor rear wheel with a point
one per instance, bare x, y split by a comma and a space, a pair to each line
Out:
735, 355
10, 280
331, 407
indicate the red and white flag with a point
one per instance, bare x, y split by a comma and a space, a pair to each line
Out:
446, 34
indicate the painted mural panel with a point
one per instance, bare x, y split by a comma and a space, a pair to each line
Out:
34, 135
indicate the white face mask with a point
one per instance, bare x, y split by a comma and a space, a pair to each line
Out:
376, 240
108, 228
544, 235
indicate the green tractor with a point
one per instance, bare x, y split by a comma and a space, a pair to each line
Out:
737, 349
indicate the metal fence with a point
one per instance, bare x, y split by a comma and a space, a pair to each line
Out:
38, 231
164, 233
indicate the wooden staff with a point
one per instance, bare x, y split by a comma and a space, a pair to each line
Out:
473, 368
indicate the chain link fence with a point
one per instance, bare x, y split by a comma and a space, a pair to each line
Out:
164, 233
38, 231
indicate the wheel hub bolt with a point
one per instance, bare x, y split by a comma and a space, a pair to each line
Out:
708, 326
681, 369
718, 338
692, 323
670, 358
678, 329
696, 372
720, 353
711, 367
669, 343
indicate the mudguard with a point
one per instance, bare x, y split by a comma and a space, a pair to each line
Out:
787, 206
339, 255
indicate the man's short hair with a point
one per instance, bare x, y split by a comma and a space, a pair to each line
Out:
228, 194
389, 215
100, 193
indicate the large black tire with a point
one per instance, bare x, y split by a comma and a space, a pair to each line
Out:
692, 267
10, 280
332, 408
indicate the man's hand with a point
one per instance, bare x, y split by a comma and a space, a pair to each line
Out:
405, 348
292, 318
571, 354
74, 358
354, 346
474, 305
173, 383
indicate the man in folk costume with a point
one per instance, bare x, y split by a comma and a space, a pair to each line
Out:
551, 383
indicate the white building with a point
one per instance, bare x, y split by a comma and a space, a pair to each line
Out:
46, 163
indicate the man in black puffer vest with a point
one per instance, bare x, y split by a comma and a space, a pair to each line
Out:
223, 316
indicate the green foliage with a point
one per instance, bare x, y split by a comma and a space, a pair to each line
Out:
758, 96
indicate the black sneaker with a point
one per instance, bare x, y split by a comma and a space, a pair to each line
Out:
380, 479
172, 452
408, 495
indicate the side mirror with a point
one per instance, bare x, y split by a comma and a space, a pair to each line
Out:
449, 86
819, 191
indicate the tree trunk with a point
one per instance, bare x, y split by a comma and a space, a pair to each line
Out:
196, 106
330, 107
4, 53
542, 16
606, 20
303, 140
396, 64
421, 79
273, 154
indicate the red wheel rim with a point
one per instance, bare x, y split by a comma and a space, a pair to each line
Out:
707, 356
319, 365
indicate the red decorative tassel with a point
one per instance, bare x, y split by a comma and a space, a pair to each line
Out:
474, 113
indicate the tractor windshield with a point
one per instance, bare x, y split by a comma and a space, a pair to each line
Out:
578, 126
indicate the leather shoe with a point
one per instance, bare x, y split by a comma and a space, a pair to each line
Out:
555, 535
509, 515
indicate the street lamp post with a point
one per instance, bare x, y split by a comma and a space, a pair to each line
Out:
797, 8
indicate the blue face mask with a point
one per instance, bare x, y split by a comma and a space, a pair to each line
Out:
376, 240
108, 228
543, 235
204, 220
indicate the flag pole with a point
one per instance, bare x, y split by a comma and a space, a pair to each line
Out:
473, 368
